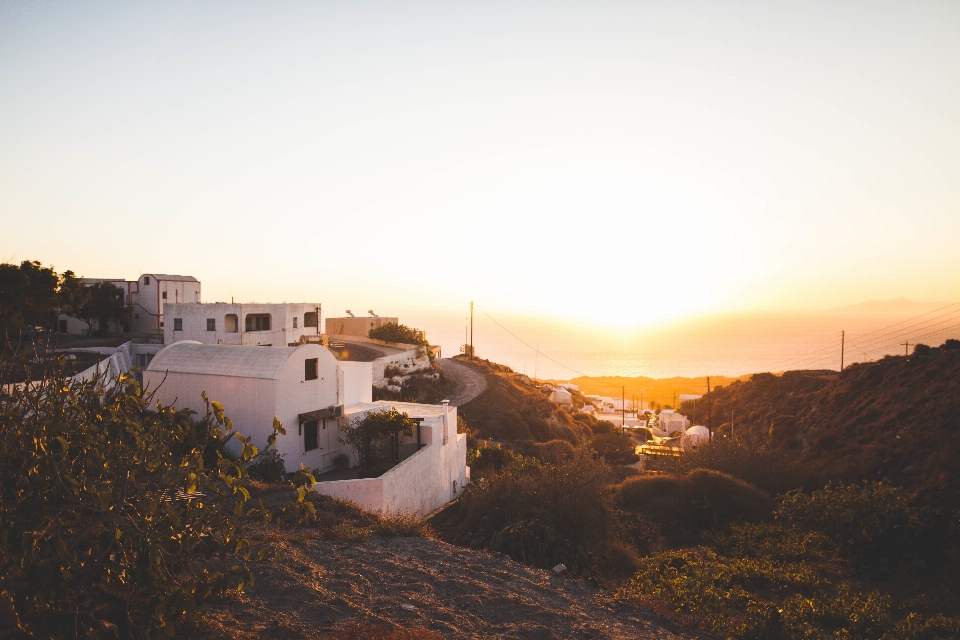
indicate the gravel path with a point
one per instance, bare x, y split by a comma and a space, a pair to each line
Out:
468, 382
322, 588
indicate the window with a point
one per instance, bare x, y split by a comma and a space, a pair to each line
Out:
310, 319
62, 326
136, 316
164, 295
178, 324
230, 323
310, 369
258, 322
211, 324
294, 322
310, 435
146, 280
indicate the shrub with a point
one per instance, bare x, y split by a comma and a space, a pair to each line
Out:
117, 519
374, 437
267, 466
487, 459
750, 459
614, 447
696, 501
394, 332
404, 525
541, 513
555, 451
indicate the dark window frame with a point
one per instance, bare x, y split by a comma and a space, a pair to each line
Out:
211, 324
178, 324
311, 369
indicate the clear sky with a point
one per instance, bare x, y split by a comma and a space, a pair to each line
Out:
553, 159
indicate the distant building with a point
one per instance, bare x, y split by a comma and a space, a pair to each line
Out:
562, 397
354, 326
273, 325
146, 296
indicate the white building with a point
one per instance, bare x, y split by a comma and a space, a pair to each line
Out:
562, 397
669, 422
312, 394
147, 296
274, 325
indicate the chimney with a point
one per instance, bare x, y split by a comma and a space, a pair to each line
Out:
446, 414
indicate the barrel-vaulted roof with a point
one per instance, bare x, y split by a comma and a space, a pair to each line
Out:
188, 356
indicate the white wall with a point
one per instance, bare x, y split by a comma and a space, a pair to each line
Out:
357, 382
296, 396
422, 483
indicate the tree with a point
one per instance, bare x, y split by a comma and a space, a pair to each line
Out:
393, 332
117, 518
28, 297
104, 305
376, 436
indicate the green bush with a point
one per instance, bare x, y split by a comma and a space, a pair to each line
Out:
696, 501
554, 451
393, 332
614, 447
117, 518
267, 466
487, 459
541, 513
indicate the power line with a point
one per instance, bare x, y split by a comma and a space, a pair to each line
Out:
534, 349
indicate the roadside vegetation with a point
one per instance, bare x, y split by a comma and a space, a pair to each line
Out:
767, 532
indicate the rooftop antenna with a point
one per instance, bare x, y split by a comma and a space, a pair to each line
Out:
350, 313
372, 314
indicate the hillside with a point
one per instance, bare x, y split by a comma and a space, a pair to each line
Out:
512, 409
898, 418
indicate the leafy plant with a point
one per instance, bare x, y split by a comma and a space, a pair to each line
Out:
376, 436
118, 518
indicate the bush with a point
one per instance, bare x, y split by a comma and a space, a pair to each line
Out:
614, 447
393, 332
540, 513
488, 459
696, 501
752, 460
555, 451
268, 467
117, 519
403, 525
374, 437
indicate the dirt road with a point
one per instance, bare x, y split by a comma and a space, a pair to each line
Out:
468, 382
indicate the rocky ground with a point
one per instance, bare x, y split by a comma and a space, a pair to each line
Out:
416, 588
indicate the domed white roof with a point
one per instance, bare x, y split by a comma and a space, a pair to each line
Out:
188, 356
698, 430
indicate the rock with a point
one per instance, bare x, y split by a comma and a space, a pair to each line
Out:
408, 607
394, 388
560, 568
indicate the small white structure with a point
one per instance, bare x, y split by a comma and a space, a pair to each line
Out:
669, 422
694, 437
271, 325
424, 482
562, 397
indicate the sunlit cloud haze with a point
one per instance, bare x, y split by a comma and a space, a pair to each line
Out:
570, 161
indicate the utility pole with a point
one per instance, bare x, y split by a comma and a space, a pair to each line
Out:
731, 425
536, 361
471, 330
906, 348
709, 409
623, 405
842, 340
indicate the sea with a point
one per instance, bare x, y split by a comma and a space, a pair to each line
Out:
729, 345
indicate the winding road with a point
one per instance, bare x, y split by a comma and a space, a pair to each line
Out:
469, 383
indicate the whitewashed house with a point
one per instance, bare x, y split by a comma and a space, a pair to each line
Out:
269, 325
147, 296
312, 394
669, 422
562, 397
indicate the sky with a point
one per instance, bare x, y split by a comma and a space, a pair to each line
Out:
616, 165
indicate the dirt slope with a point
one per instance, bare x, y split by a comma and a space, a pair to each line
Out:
323, 588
